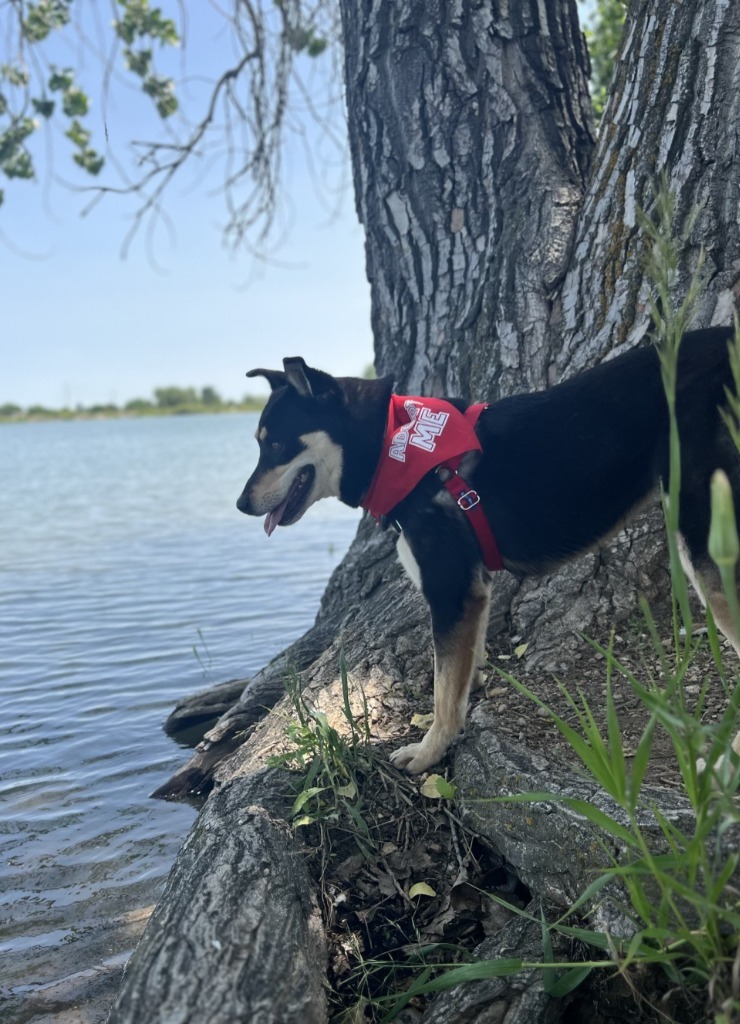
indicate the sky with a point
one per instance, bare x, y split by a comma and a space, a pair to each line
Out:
82, 325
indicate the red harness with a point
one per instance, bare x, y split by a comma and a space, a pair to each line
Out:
423, 434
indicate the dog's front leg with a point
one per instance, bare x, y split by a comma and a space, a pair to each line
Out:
458, 628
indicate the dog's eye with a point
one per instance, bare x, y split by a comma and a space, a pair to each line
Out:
276, 447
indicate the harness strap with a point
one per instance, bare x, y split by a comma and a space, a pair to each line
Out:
469, 501
418, 433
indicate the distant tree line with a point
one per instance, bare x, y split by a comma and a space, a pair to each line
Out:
167, 400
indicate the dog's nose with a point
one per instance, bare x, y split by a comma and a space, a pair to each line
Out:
242, 502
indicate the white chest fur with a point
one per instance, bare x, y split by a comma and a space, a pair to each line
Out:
407, 560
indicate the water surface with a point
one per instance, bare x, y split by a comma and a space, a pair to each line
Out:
127, 580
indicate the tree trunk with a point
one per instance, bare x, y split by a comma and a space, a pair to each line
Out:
674, 108
470, 137
237, 935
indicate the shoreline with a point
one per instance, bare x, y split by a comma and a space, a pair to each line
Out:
69, 415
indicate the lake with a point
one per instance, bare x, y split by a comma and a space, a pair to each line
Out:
127, 580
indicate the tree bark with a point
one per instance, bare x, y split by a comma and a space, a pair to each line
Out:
674, 108
470, 136
237, 935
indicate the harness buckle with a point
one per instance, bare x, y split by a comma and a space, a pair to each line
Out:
468, 500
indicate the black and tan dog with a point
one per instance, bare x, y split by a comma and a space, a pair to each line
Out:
550, 474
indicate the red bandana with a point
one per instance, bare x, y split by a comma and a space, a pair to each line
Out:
423, 433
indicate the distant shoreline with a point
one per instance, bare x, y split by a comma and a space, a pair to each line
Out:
67, 415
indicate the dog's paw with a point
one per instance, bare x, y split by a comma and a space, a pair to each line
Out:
415, 757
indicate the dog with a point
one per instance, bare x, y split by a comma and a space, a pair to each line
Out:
546, 476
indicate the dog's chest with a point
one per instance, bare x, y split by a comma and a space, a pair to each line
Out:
407, 560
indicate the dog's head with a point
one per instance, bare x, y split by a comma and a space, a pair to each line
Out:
300, 457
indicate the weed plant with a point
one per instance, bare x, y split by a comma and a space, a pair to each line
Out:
330, 763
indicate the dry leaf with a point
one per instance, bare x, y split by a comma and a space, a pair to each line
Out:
421, 889
429, 787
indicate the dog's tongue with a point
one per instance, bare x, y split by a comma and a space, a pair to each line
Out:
273, 518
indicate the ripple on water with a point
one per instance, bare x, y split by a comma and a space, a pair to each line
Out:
138, 583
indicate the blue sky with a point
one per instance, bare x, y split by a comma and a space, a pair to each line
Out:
82, 325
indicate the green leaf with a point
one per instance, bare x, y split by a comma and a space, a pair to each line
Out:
162, 91
43, 18
585, 935
722, 879
139, 61
60, 81
614, 733
15, 74
316, 47
641, 903
89, 160
468, 972
13, 137
547, 950
569, 980
590, 749
588, 894
74, 102
723, 544
405, 997
446, 789
357, 819
603, 36
640, 763
140, 20
78, 135
304, 796
601, 820
18, 164
43, 107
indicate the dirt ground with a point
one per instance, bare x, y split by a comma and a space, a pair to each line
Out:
633, 647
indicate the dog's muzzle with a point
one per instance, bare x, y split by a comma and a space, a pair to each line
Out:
286, 511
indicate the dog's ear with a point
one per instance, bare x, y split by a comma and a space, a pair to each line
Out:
308, 382
275, 378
